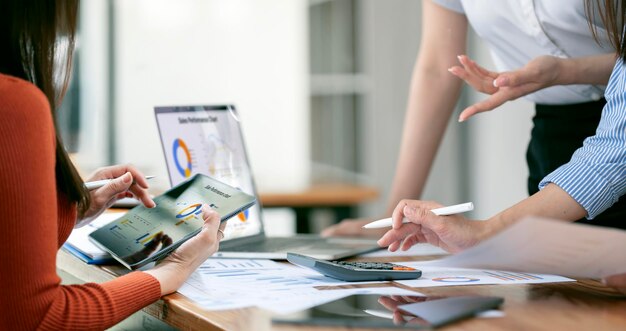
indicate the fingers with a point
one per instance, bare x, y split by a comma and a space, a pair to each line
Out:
211, 218
398, 318
395, 236
138, 176
120, 187
167, 240
409, 242
480, 83
484, 72
398, 214
486, 105
220, 231
515, 78
388, 303
476, 76
417, 211
394, 246
405, 235
461, 73
496, 100
137, 184
617, 281
330, 231
119, 170
105, 195
142, 195
209, 234
154, 242
474, 68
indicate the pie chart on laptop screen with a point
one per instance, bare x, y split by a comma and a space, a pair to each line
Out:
209, 141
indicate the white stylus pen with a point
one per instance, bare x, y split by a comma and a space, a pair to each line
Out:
99, 183
450, 210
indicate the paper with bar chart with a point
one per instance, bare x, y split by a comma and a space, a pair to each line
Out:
443, 276
220, 284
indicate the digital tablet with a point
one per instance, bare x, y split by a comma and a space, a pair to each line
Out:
146, 234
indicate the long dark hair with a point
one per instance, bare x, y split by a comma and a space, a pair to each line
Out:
613, 14
37, 41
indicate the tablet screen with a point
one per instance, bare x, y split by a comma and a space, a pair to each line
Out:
144, 234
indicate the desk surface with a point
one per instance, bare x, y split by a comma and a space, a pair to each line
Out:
584, 305
326, 195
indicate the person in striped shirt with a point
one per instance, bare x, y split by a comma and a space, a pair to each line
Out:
588, 184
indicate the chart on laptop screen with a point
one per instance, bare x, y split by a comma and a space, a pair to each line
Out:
207, 140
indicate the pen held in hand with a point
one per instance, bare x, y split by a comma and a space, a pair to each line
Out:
443, 211
99, 183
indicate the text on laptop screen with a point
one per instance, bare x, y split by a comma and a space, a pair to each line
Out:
208, 140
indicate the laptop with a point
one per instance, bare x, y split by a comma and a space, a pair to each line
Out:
208, 140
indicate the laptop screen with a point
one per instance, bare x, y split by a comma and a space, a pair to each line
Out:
208, 140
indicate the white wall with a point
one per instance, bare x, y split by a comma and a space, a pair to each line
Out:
187, 52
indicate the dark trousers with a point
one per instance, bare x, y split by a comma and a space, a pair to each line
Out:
557, 132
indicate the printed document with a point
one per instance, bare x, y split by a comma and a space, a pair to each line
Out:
547, 246
221, 284
445, 276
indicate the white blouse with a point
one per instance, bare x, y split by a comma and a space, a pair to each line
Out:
518, 31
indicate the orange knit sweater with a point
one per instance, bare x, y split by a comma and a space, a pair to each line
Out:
35, 220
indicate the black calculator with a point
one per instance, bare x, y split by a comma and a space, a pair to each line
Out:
356, 271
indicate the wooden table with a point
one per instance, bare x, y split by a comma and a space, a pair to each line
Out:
584, 305
340, 198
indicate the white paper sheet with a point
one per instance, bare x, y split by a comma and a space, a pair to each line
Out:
446, 276
415, 250
221, 284
225, 265
547, 246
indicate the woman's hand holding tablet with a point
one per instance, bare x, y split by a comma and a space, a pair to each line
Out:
144, 235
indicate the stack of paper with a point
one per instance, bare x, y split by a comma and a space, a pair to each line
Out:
80, 246
282, 288
277, 287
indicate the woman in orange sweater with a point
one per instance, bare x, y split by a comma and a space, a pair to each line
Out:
42, 197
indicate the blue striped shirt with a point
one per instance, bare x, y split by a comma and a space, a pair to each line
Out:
596, 175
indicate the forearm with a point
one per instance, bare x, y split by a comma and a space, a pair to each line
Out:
433, 96
594, 70
170, 276
551, 202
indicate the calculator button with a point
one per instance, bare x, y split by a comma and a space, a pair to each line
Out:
398, 267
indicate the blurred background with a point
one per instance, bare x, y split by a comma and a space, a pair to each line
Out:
321, 86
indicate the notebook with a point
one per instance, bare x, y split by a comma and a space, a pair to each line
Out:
208, 140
